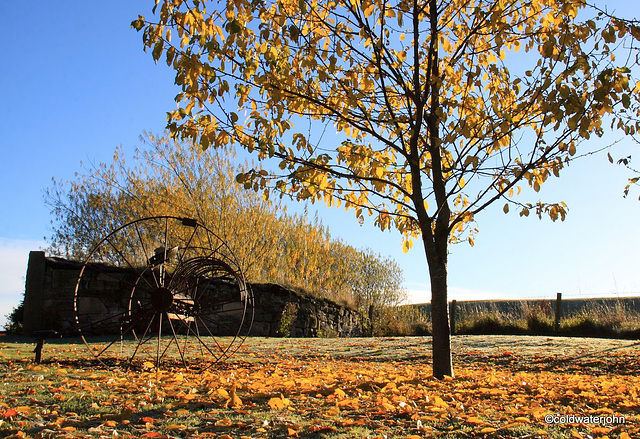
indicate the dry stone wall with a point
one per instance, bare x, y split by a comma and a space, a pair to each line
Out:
279, 311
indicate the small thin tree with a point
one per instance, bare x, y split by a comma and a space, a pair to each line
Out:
419, 112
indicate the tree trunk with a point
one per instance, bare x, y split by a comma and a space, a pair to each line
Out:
442, 364
436, 252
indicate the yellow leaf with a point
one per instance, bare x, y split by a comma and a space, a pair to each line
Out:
369, 10
340, 393
234, 400
25, 410
349, 403
487, 430
439, 402
278, 403
333, 411
226, 422
175, 427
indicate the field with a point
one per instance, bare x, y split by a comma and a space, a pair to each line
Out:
604, 317
505, 386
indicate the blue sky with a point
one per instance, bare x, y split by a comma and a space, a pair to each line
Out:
75, 84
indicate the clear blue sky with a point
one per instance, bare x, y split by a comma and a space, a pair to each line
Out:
75, 84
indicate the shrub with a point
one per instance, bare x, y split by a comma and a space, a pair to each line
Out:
15, 319
287, 320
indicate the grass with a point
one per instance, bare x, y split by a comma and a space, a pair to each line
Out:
333, 388
538, 318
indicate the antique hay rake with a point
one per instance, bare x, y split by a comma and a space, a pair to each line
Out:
162, 289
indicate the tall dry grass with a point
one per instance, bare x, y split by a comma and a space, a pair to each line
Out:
615, 320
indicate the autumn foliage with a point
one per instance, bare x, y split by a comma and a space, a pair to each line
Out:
270, 243
421, 113
353, 388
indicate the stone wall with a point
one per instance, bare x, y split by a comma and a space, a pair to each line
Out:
279, 311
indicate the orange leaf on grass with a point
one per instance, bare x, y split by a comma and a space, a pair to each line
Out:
339, 393
154, 435
279, 403
234, 400
10, 413
226, 422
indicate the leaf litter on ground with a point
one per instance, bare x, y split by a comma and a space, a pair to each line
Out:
316, 388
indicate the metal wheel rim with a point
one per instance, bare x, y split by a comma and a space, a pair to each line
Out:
190, 310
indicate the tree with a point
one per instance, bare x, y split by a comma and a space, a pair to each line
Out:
270, 244
419, 112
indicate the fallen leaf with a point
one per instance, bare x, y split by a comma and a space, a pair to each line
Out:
278, 403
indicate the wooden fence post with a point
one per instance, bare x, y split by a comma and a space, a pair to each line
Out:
558, 312
452, 316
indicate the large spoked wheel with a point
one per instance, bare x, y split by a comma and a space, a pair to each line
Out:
163, 289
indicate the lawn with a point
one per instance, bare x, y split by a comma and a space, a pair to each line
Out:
505, 386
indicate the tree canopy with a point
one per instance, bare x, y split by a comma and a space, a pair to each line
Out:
419, 112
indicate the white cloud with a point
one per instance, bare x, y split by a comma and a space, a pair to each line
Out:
14, 255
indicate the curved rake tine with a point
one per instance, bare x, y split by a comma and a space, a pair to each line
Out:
195, 334
219, 355
224, 350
